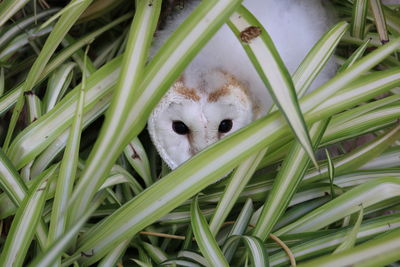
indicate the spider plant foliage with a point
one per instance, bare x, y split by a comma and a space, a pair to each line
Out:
81, 184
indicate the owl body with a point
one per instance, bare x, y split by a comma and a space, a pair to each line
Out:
220, 91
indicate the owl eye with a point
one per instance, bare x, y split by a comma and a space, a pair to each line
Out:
180, 128
225, 126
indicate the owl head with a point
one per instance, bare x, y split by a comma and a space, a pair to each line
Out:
197, 112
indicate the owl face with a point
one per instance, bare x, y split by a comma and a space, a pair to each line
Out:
195, 114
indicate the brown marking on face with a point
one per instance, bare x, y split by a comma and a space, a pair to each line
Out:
188, 93
226, 88
214, 96
249, 34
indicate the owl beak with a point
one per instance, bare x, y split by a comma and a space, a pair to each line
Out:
198, 142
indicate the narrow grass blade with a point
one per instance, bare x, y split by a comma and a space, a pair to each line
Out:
376, 82
255, 247
22, 25
331, 172
286, 183
204, 238
367, 194
9, 7
326, 243
369, 122
359, 18
135, 57
24, 225
238, 181
273, 72
379, 19
68, 168
377, 252
351, 238
318, 56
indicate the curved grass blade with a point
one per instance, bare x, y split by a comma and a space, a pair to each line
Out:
24, 225
358, 156
345, 78
61, 28
274, 74
359, 18
377, 252
204, 238
239, 227
355, 56
351, 238
388, 159
286, 183
255, 247
367, 194
9, 7
21, 41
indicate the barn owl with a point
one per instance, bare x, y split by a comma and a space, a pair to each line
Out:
220, 91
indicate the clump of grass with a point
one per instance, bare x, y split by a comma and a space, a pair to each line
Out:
116, 203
